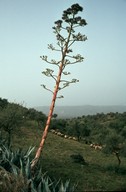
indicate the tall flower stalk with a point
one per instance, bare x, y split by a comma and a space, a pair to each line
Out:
66, 36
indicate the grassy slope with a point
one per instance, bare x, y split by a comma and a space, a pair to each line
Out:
98, 175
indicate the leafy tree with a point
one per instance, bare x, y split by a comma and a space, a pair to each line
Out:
123, 132
59, 125
10, 118
66, 36
117, 125
40, 118
123, 149
31, 113
113, 142
36, 115
55, 115
80, 129
3, 103
85, 130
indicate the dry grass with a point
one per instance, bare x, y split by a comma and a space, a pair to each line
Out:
10, 182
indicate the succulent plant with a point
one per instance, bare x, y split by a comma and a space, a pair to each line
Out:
16, 174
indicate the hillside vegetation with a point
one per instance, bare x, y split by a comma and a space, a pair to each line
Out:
100, 170
98, 174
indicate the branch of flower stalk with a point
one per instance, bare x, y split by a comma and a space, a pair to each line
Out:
44, 57
44, 86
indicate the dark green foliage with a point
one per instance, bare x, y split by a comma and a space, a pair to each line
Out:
77, 158
113, 142
38, 116
3, 103
123, 150
123, 131
59, 124
11, 117
54, 115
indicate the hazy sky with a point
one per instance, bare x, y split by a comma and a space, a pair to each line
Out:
25, 32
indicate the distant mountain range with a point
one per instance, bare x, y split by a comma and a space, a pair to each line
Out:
78, 111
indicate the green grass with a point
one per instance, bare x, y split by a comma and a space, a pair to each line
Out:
99, 175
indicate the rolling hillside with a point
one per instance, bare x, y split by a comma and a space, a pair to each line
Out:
99, 174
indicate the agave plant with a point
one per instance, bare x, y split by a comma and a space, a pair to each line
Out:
16, 174
8, 158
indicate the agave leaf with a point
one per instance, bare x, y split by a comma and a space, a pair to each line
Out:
29, 151
7, 153
37, 178
32, 187
28, 169
57, 184
67, 183
33, 190
61, 188
14, 169
22, 170
40, 188
46, 185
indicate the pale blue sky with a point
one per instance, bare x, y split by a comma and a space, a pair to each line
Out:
25, 31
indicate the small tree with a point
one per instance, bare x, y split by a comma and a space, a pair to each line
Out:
37, 116
10, 117
113, 142
54, 115
3, 103
66, 36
